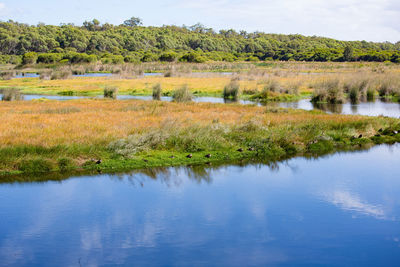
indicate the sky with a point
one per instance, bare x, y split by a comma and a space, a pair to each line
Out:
371, 20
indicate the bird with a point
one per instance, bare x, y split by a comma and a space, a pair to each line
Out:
208, 156
145, 160
251, 149
98, 162
189, 156
360, 136
240, 150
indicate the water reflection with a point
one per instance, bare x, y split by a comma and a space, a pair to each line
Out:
340, 209
332, 108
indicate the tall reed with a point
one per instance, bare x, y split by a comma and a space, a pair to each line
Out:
182, 94
11, 94
157, 91
232, 91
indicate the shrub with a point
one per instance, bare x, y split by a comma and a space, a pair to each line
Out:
149, 57
110, 92
232, 90
11, 94
194, 57
169, 56
74, 58
29, 58
182, 94
131, 59
49, 58
157, 91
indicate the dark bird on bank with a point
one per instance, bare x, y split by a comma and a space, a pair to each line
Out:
145, 160
189, 156
251, 149
208, 156
360, 136
240, 150
98, 162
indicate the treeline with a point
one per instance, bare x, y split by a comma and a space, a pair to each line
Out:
131, 42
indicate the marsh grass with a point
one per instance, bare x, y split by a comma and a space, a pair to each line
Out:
45, 75
7, 75
124, 133
66, 110
157, 92
370, 94
182, 94
329, 91
62, 74
11, 94
232, 91
110, 92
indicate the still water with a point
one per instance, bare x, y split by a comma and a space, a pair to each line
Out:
338, 210
105, 74
376, 108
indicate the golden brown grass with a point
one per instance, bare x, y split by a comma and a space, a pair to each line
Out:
90, 122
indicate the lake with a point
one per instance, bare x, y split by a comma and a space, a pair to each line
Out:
340, 209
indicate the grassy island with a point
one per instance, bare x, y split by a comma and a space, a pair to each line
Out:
108, 135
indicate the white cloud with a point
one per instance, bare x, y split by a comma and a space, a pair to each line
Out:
2, 6
375, 20
353, 202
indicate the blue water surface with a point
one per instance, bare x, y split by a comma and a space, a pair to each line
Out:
337, 210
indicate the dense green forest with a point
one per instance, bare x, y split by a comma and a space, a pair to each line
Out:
131, 42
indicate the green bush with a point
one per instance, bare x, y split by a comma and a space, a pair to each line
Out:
194, 57
169, 56
49, 58
29, 58
149, 57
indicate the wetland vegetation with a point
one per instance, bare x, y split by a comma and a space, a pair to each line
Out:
107, 135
